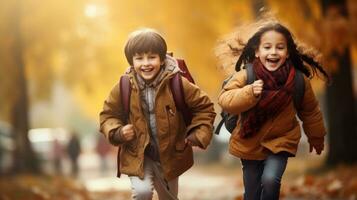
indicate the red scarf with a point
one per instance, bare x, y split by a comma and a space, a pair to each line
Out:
276, 95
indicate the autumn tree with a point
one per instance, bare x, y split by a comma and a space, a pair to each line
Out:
24, 157
341, 119
30, 37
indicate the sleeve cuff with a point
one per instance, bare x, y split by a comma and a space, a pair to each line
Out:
115, 137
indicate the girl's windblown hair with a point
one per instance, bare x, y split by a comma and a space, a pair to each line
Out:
233, 52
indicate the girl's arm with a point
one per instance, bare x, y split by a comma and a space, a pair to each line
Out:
311, 117
237, 97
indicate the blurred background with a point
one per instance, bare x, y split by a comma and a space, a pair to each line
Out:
59, 60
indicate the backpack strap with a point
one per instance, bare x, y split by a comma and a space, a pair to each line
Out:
299, 89
250, 79
179, 97
250, 73
184, 70
125, 91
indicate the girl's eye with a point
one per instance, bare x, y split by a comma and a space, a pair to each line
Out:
281, 47
138, 58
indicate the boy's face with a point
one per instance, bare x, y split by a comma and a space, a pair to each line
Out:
272, 50
147, 65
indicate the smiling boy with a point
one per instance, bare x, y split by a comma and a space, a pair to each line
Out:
156, 145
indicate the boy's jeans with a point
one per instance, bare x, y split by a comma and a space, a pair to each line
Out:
262, 178
142, 189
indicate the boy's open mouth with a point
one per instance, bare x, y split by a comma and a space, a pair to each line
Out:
147, 69
273, 60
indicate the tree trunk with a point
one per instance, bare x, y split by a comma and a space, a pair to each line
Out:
341, 125
24, 158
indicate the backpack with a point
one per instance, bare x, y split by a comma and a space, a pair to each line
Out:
230, 120
175, 86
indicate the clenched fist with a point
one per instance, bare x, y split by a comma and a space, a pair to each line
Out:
318, 148
127, 133
257, 87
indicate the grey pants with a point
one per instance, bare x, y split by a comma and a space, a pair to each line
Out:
142, 189
262, 178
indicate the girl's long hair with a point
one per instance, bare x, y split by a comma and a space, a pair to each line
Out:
302, 61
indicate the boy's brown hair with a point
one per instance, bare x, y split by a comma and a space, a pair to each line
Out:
144, 41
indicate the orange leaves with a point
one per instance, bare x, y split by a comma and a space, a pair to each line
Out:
340, 183
41, 188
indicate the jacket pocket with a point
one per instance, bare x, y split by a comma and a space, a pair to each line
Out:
180, 145
131, 147
175, 132
170, 114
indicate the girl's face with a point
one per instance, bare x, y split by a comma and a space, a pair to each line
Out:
147, 65
272, 50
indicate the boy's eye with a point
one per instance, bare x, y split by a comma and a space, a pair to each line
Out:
138, 57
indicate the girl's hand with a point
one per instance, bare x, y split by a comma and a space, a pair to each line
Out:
127, 133
257, 87
318, 148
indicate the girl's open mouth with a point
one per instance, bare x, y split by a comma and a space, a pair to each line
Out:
273, 60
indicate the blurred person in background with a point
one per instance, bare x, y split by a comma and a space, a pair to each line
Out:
73, 151
57, 156
103, 149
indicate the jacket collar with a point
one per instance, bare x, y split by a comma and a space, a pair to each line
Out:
168, 70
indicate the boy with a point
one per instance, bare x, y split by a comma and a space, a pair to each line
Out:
156, 145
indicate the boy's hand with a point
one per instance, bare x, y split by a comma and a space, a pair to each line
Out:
192, 140
318, 148
127, 133
257, 87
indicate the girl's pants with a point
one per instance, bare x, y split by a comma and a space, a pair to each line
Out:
262, 178
142, 189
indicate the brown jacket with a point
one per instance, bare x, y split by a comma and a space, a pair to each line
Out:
281, 133
175, 156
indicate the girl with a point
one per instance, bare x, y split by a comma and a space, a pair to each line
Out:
268, 132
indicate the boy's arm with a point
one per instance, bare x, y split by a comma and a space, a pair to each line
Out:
112, 117
201, 127
311, 117
237, 97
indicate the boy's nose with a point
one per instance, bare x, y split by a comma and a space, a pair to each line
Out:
145, 61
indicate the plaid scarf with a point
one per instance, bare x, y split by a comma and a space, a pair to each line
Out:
276, 95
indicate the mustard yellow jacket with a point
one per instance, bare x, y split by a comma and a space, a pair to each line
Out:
281, 133
175, 156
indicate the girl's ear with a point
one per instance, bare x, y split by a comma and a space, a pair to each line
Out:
256, 54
